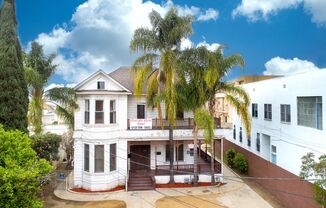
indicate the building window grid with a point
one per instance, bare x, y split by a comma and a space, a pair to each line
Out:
254, 110
113, 112
268, 111
285, 113
310, 112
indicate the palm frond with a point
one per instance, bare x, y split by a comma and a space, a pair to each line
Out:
242, 111
237, 91
205, 122
143, 40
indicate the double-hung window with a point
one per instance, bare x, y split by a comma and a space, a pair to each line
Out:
310, 112
286, 113
113, 157
113, 113
167, 152
86, 157
99, 159
99, 113
254, 110
268, 111
86, 115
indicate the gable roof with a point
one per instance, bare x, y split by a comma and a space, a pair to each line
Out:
100, 71
124, 77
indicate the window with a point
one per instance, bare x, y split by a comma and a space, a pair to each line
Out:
179, 152
273, 154
167, 152
113, 113
254, 110
99, 114
179, 114
310, 112
225, 119
240, 134
100, 85
113, 157
99, 158
268, 111
248, 141
140, 111
258, 142
86, 157
286, 113
86, 116
234, 133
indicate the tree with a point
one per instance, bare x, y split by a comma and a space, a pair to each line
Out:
21, 171
310, 168
46, 146
38, 69
65, 100
191, 91
217, 69
13, 88
157, 66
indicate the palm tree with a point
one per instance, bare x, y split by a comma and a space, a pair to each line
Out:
191, 91
65, 100
157, 65
38, 69
218, 68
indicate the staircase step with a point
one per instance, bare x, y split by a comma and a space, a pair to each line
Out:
131, 188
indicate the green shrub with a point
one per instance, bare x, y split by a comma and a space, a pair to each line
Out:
46, 145
230, 154
240, 163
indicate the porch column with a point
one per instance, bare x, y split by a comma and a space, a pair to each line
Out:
222, 170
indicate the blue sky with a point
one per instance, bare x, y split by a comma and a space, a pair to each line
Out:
278, 37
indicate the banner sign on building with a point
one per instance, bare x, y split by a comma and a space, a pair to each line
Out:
141, 123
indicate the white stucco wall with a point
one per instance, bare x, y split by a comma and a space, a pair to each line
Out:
292, 141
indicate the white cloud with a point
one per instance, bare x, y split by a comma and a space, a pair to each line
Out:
209, 14
52, 85
281, 66
186, 43
100, 32
211, 47
262, 9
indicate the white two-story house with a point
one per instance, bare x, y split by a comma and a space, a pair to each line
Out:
118, 137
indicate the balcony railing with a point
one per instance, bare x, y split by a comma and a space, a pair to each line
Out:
186, 123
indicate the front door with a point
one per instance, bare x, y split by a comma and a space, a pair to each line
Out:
140, 157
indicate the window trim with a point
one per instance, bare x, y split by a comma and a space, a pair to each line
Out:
273, 153
318, 100
113, 157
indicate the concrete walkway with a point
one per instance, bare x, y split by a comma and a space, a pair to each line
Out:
234, 193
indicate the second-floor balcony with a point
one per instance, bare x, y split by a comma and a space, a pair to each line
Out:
155, 124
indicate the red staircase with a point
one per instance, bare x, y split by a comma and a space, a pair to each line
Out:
140, 182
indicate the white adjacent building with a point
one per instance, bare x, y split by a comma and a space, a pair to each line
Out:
118, 135
288, 119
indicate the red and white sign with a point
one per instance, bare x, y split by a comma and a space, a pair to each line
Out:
141, 123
